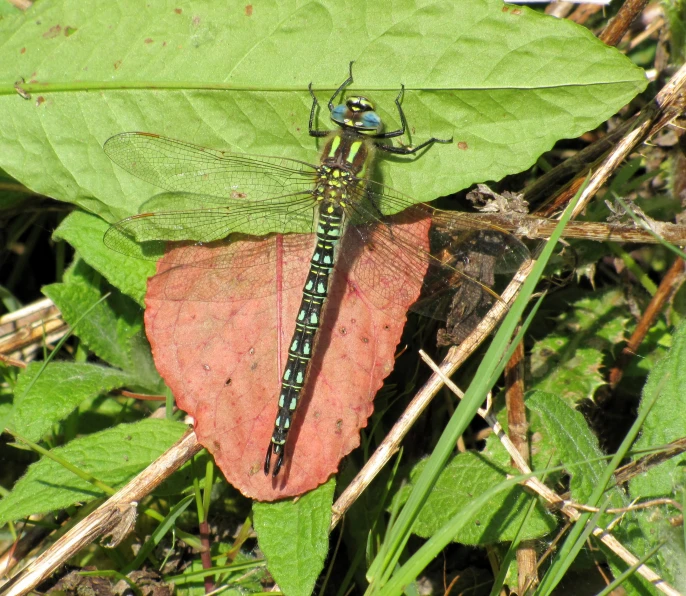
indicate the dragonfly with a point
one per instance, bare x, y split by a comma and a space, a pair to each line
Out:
218, 194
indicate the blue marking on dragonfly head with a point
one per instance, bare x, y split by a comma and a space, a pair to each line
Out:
357, 113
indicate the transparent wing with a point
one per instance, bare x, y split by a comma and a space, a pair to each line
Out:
150, 235
455, 257
221, 176
245, 270
383, 199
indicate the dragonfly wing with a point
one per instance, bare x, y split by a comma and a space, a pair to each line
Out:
149, 235
457, 257
388, 257
183, 167
236, 270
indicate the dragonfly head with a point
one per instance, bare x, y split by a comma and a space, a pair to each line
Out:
357, 113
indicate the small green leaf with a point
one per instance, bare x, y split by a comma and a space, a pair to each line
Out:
569, 361
576, 446
43, 399
84, 232
113, 330
665, 422
294, 536
466, 476
113, 456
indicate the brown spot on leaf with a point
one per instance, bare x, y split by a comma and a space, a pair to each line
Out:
39, 100
54, 31
148, 40
22, 51
117, 64
248, 10
178, 10
463, 146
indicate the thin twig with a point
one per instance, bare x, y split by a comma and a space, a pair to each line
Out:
620, 23
665, 107
518, 431
669, 284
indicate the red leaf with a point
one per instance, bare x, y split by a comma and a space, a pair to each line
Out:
220, 332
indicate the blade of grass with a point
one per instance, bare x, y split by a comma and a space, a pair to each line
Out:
159, 533
388, 557
630, 571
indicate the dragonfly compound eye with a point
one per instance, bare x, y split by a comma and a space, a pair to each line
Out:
358, 113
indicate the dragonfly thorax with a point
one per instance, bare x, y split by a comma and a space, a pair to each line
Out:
357, 113
345, 157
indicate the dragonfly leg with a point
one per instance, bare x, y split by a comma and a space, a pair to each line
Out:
410, 150
322, 133
401, 131
343, 85
403, 121
313, 131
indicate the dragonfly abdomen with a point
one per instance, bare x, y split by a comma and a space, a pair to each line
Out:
307, 325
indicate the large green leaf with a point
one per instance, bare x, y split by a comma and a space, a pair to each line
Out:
45, 396
113, 456
504, 82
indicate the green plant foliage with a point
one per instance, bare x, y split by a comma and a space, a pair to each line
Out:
466, 476
576, 446
578, 451
569, 361
158, 68
543, 450
665, 423
45, 396
6, 395
84, 232
113, 330
294, 536
505, 83
112, 456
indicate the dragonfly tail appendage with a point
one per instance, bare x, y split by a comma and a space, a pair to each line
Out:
276, 450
